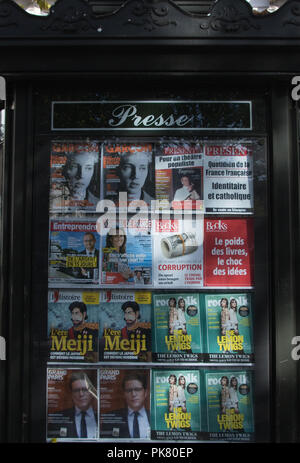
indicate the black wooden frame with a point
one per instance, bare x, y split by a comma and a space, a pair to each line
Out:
151, 38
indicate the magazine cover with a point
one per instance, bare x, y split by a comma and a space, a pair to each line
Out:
176, 332
179, 176
73, 253
126, 255
229, 328
72, 404
125, 326
229, 405
124, 403
73, 325
74, 176
175, 405
228, 184
229, 253
178, 252
127, 173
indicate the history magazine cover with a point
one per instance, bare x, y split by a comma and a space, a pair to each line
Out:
125, 403
179, 176
178, 252
176, 332
229, 328
229, 405
127, 173
126, 253
73, 325
72, 404
73, 253
125, 326
175, 404
74, 176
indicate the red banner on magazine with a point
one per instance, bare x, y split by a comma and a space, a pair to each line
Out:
228, 252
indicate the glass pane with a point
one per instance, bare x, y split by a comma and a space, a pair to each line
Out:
157, 263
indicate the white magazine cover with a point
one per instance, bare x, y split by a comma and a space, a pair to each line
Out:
178, 252
179, 176
228, 177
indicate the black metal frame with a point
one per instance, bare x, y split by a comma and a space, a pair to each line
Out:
149, 39
75, 20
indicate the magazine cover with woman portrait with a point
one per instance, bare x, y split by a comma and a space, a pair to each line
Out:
127, 173
176, 333
229, 328
126, 254
175, 404
74, 176
72, 404
229, 405
125, 403
73, 253
73, 325
125, 326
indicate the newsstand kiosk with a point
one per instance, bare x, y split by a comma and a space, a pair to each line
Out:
150, 224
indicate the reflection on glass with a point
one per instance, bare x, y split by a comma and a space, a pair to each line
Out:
266, 6
36, 7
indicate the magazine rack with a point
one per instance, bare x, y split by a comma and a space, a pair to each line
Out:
141, 77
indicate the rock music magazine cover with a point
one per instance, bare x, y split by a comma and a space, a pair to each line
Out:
176, 404
177, 329
229, 328
229, 404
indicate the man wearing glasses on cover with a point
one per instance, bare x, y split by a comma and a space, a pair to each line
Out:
81, 420
132, 421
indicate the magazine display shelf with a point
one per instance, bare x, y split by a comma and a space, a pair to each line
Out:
123, 299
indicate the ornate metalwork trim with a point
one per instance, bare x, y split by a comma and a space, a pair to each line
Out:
149, 19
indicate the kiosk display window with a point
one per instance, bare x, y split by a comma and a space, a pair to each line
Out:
154, 276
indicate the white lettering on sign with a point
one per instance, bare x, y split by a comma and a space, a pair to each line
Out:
128, 112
